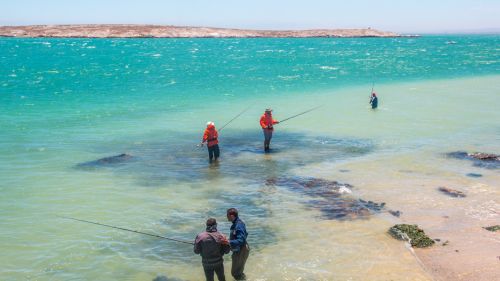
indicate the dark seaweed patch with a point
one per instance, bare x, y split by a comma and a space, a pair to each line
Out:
107, 161
493, 228
242, 156
474, 175
329, 197
395, 213
482, 160
411, 233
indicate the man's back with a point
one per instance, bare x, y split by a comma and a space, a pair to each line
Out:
211, 246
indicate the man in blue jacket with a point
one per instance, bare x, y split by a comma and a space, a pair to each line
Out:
239, 245
374, 100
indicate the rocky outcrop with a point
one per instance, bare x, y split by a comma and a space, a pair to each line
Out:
484, 156
451, 192
493, 228
480, 159
412, 234
162, 31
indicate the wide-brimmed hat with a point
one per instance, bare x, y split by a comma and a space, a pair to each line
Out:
210, 123
269, 109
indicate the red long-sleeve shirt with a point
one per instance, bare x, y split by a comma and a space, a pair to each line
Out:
210, 136
267, 121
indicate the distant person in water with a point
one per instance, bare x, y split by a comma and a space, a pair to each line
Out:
374, 100
239, 246
212, 245
210, 136
267, 122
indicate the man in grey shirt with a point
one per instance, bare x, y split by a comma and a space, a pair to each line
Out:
212, 245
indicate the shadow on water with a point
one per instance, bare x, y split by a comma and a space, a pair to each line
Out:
242, 157
108, 161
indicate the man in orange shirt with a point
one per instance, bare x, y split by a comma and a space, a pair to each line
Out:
210, 137
267, 122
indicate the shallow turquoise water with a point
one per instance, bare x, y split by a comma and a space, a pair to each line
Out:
68, 101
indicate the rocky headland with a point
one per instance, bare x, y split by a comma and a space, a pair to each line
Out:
166, 31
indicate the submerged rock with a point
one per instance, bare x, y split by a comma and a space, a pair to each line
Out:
451, 192
411, 233
483, 160
474, 175
484, 156
332, 200
492, 228
395, 213
306, 182
165, 278
111, 160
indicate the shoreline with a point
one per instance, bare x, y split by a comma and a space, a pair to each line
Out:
464, 250
168, 31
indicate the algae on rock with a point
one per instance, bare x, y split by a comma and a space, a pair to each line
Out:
493, 228
411, 233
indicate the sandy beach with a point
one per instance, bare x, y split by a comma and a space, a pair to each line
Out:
464, 250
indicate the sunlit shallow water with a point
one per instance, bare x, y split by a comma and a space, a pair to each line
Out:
68, 104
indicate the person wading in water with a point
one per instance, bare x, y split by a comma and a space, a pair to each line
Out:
238, 241
267, 122
212, 245
210, 137
374, 100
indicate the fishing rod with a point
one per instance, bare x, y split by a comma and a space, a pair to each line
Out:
296, 115
373, 85
229, 122
239, 114
130, 230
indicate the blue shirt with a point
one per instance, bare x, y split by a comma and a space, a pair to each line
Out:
374, 102
238, 235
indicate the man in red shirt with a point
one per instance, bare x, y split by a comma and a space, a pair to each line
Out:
267, 122
210, 137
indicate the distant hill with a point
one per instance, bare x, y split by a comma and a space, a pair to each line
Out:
165, 31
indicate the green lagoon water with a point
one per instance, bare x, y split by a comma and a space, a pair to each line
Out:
64, 102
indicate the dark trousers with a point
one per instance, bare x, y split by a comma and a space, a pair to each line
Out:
239, 259
268, 135
213, 152
218, 269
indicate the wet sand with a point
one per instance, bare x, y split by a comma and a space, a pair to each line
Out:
464, 250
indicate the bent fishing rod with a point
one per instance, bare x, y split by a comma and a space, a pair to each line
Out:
129, 230
297, 115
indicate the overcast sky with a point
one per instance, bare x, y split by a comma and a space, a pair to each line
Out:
406, 16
